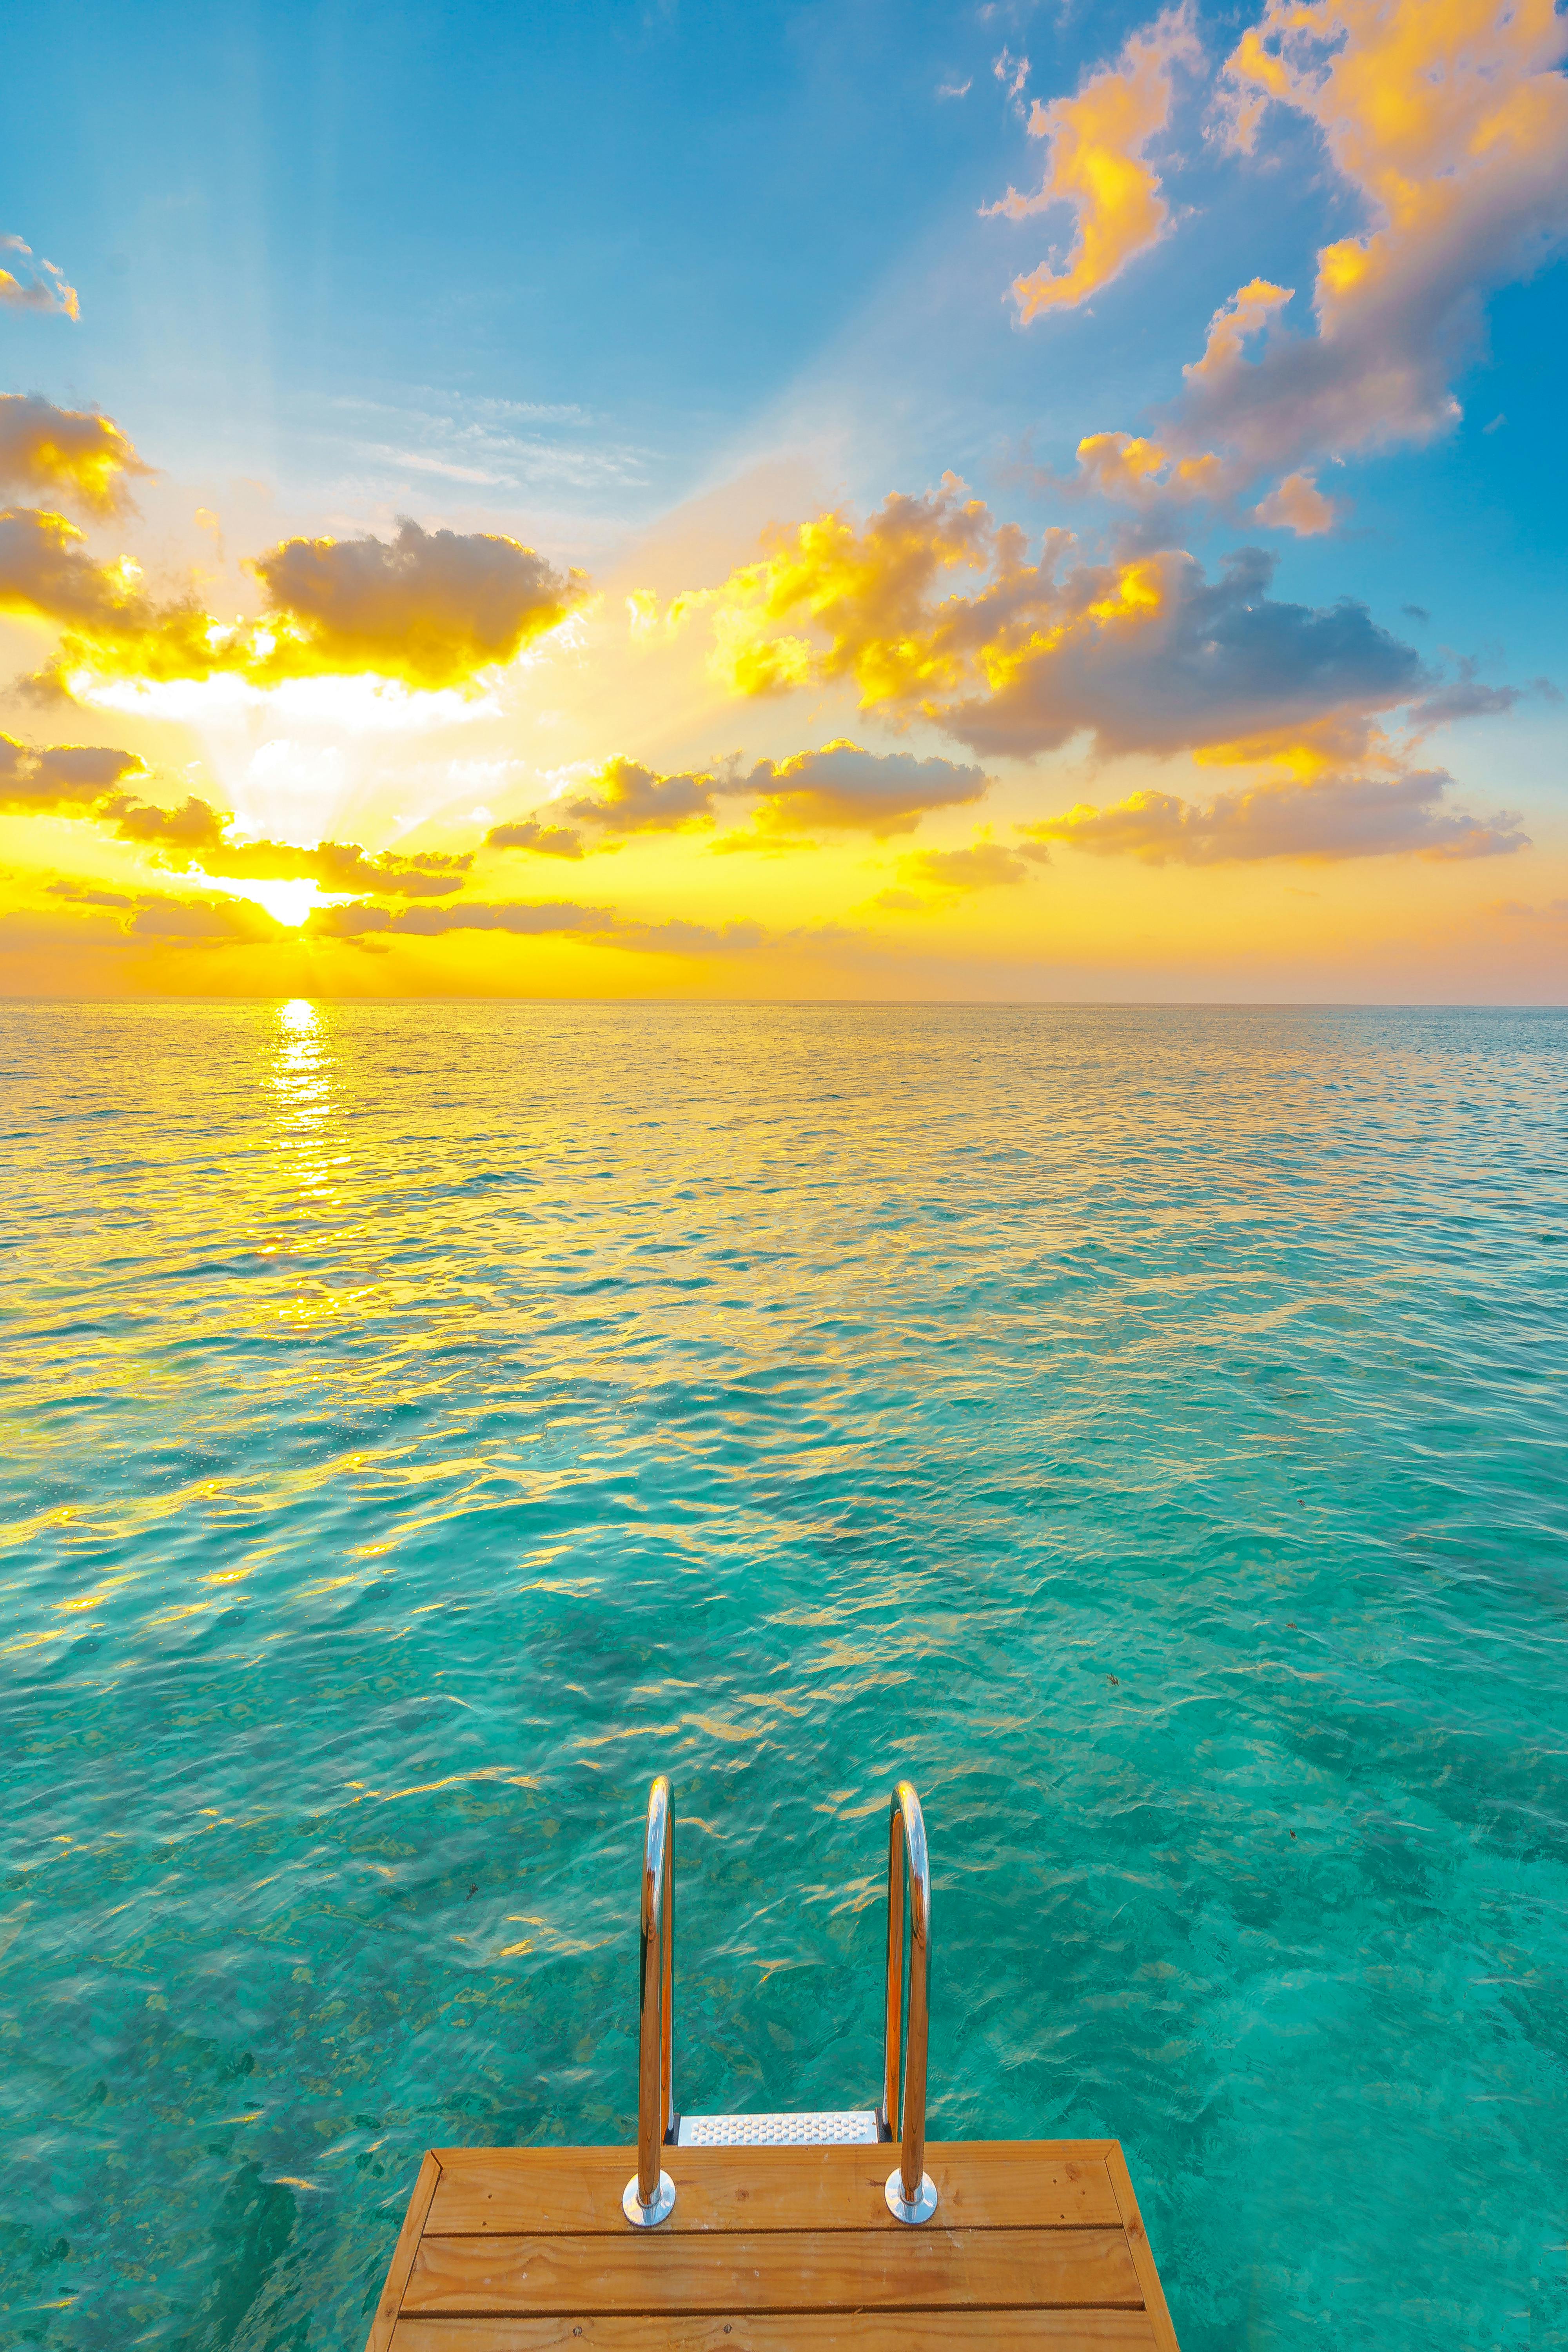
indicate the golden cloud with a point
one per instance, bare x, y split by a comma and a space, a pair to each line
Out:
1449, 119
1246, 313
869, 591
107, 621
66, 776
539, 919
1096, 164
1321, 822
429, 608
1142, 651
1297, 504
842, 788
984, 866
543, 840
161, 916
70, 452
1121, 467
81, 780
35, 292
626, 797
197, 833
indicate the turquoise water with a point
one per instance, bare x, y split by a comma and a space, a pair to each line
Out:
1144, 1428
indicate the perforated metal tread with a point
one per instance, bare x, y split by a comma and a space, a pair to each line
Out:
854, 2125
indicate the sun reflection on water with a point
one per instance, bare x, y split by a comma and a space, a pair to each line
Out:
301, 1084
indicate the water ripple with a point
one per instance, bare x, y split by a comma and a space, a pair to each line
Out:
422, 1423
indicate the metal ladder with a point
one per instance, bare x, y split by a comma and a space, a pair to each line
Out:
649, 2195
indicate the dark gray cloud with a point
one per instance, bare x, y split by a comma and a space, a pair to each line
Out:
1465, 697
1203, 661
1142, 651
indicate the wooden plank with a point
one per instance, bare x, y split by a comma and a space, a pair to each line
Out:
982, 2184
781, 2270
402, 2253
860, 2331
1142, 2255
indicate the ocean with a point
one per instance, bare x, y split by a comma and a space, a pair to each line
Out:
1145, 1429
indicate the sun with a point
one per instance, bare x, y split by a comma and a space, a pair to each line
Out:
288, 903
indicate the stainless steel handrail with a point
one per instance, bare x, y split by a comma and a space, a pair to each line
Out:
911, 2194
649, 2194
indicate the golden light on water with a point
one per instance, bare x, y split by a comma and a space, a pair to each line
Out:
301, 1080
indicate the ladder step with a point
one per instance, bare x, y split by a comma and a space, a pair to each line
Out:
854, 2125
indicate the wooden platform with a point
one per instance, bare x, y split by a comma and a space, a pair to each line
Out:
1036, 2244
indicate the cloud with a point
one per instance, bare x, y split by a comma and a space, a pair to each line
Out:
1011, 73
33, 291
1143, 473
202, 921
1140, 471
842, 788
1297, 504
159, 916
197, 833
1450, 122
1246, 313
626, 797
544, 840
1096, 164
181, 832
429, 607
45, 574
867, 589
521, 919
955, 89
1465, 697
1322, 821
67, 776
1142, 651
80, 780
984, 866
69, 453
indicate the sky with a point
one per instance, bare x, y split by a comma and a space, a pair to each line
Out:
873, 502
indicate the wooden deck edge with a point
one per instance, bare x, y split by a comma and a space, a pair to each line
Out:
402, 2253
1138, 2246
1066, 2151
983, 2330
